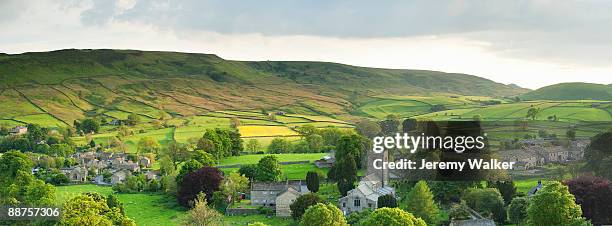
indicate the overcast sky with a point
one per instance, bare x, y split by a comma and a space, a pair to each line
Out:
529, 43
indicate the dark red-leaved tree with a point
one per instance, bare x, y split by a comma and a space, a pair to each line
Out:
205, 180
594, 194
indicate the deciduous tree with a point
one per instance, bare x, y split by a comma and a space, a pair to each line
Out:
323, 215
299, 206
392, 217
205, 180
554, 205
420, 202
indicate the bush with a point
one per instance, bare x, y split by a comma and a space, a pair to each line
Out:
517, 210
323, 215
486, 201
387, 201
392, 217
302, 203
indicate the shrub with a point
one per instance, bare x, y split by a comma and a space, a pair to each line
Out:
302, 203
554, 205
487, 201
392, 217
594, 194
517, 210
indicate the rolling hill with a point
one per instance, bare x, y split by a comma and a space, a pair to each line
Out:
571, 91
61, 86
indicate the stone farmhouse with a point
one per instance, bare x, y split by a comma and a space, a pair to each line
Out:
365, 195
18, 130
76, 174
277, 195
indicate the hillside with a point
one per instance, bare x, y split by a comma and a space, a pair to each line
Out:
571, 91
61, 86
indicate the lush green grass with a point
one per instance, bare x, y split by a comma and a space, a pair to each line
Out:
41, 119
252, 159
15, 105
144, 208
525, 185
264, 142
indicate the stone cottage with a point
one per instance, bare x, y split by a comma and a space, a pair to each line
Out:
284, 200
365, 195
119, 176
270, 194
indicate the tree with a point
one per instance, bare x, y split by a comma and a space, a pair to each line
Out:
206, 145
113, 202
390, 125
306, 130
202, 215
133, 119
486, 201
506, 188
234, 184
392, 217
357, 218
92, 209
253, 145
554, 205
279, 145
205, 180
571, 134
517, 210
235, 122
188, 167
88, 125
92, 144
420, 202
323, 215
532, 113
148, 145
368, 128
312, 181
36, 133
203, 158
346, 174
387, 200
17, 184
594, 195
177, 152
598, 155
299, 206
268, 169
315, 143
248, 170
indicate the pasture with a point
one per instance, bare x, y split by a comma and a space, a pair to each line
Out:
253, 159
144, 208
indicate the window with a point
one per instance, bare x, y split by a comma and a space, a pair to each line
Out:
357, 202
344, 204
369, 205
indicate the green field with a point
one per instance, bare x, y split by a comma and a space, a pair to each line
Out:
252, 159
405, 108
144, 208
41, 119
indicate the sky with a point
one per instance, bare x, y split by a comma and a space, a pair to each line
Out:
528, 43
